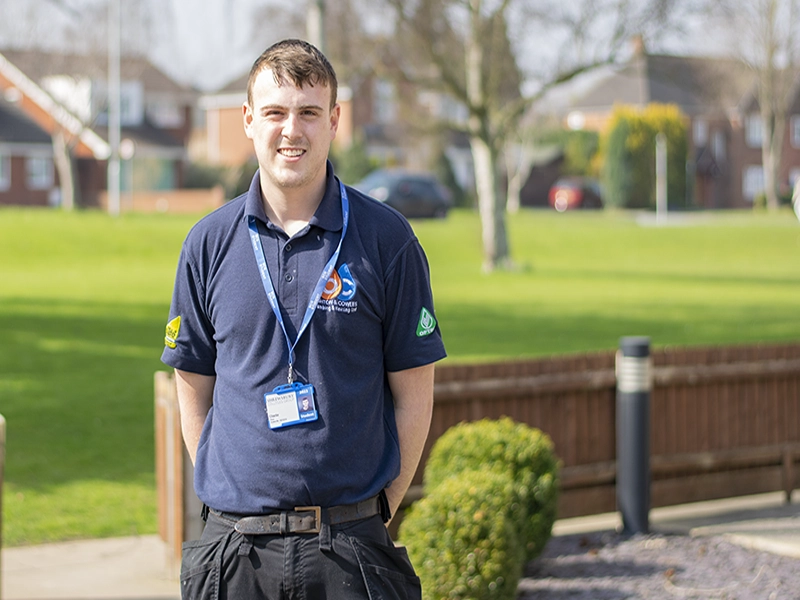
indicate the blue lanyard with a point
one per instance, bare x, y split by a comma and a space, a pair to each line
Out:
269, 288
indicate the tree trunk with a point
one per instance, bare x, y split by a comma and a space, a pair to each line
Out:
518, 167
771, 154
771, 101
513, 192
484, 151
490, 206
65, 166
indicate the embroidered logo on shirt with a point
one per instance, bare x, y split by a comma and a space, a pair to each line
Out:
339, 292
427, 323
333, 287
173, 329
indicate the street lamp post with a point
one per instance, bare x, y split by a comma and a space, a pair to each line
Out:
114, 118
315, 24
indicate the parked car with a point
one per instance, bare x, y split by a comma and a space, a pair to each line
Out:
413, 194
575, 192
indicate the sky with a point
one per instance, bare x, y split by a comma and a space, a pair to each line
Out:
207, 42
204, 43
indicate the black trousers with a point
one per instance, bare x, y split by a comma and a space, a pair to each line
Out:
356, 560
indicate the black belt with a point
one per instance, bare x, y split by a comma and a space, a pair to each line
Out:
303, 519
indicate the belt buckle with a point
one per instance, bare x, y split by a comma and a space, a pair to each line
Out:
317, 516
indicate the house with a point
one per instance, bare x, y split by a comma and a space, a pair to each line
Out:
67, 95
718, 98
219, 137
26, 159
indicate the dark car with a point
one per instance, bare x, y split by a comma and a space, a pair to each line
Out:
575, 192
413, 194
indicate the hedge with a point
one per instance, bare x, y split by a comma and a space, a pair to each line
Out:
463, 538
628, 156
490, 496
524, 453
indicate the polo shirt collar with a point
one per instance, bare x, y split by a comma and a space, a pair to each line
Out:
329, 212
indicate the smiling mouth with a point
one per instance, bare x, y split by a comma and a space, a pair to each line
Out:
291, 152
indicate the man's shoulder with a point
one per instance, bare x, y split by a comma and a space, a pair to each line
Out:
219, 223
377, 219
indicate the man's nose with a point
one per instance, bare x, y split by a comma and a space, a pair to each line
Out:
291, 126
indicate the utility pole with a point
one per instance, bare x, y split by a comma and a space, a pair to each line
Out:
315, 24
114, 117
661, 178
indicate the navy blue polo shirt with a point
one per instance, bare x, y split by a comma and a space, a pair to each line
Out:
373, 318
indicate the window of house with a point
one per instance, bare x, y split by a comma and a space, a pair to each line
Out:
39, 172
700, 132
131, 103
165, 115
753, 131
384, 105
719, 147
5, 172
753, 182
795, 131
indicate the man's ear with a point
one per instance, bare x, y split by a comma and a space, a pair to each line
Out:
247, 119
336, 113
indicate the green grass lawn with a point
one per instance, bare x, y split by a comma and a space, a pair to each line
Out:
586, 279
84, 300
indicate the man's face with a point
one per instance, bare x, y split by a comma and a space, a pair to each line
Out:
292, 130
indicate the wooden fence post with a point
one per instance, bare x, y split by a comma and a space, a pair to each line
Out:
2, 474
178, 506
169, 467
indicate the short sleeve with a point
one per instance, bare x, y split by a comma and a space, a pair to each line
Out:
412, 337
189, 338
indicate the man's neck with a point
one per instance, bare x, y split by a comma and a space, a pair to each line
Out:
291, 209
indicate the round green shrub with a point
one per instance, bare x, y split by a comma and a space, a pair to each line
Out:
523, 453
463, 538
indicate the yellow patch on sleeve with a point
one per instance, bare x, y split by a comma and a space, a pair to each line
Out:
173, 329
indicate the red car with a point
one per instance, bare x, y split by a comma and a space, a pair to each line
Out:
575, 192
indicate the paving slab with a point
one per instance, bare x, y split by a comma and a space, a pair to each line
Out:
130, 568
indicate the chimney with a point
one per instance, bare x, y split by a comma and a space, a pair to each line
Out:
637, 45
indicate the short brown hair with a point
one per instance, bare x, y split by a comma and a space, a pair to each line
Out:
296, 61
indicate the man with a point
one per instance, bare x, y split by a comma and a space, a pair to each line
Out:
301, 292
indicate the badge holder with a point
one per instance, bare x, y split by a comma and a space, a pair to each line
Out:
290, 404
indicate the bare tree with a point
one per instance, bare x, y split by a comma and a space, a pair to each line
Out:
463, 46
768, 40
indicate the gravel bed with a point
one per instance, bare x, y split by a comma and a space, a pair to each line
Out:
612, 566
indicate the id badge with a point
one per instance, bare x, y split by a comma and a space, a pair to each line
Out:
290, 404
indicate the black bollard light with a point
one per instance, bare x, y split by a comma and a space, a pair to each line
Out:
634, 384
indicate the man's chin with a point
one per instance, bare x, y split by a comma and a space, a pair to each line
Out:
286, 178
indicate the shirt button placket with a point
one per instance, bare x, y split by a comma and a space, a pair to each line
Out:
289, 262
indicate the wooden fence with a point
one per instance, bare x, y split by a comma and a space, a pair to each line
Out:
724, 421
